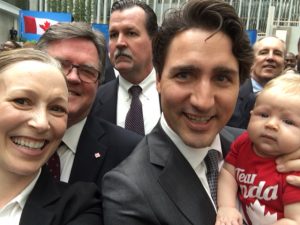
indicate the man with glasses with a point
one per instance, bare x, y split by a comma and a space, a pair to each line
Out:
87, 74
91, 146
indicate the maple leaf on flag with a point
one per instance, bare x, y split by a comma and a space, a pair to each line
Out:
45, 26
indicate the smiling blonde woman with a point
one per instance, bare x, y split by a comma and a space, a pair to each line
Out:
33, 118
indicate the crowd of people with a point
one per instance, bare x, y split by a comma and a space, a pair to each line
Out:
137, 130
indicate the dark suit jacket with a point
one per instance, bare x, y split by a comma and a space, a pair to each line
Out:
244, 105
105, 104
156, 185
52, 203
110, 142
109, 73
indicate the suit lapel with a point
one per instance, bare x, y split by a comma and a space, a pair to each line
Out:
180, 182
44, 193
90, 152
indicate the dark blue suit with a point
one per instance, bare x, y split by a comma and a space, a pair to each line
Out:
100, 137
244, 105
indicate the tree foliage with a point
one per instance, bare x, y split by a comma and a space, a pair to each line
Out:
82, 10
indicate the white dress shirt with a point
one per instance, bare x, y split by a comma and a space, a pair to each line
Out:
256, 86
11, 213
149, 98
67, 153
195, 156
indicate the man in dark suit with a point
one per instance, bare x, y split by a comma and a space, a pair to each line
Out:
166, 180
91, 146
268, 63
132, 26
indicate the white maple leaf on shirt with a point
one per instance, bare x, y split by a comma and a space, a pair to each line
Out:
256, 213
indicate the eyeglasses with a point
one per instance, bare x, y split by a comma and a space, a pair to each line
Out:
87, 74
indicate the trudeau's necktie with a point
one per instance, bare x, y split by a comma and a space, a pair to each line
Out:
54, 166
211, 161
134, 118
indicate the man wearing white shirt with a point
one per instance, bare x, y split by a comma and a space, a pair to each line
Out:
165, 179
132, 26
268, 63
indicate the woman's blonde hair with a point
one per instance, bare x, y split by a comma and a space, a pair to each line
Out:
11, 57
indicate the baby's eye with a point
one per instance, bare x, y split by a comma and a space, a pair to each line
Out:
289, 122
264, 115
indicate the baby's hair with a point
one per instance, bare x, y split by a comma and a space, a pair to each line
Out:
284, 84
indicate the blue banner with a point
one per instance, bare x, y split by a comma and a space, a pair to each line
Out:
252, 34
102, 28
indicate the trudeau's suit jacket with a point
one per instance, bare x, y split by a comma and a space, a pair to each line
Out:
244, 105
52, 203
105, 104
101, 147
156, 185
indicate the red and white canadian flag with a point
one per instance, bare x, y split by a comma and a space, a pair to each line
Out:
36, 25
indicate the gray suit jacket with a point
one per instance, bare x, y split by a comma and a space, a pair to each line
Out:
156, 185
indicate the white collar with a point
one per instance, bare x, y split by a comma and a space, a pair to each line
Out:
22, 197
72, 135
193, 155
145, 84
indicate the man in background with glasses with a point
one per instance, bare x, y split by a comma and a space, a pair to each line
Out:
91, 146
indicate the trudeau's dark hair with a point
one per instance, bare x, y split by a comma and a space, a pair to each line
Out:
71, 30
151, 19
211, 15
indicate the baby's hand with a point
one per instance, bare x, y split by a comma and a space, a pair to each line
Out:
229, 216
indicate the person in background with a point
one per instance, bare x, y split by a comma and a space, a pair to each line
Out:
9, 45
268, 63
132, 26
290, 60
90, 146
33, 117
170, 178
249, 171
